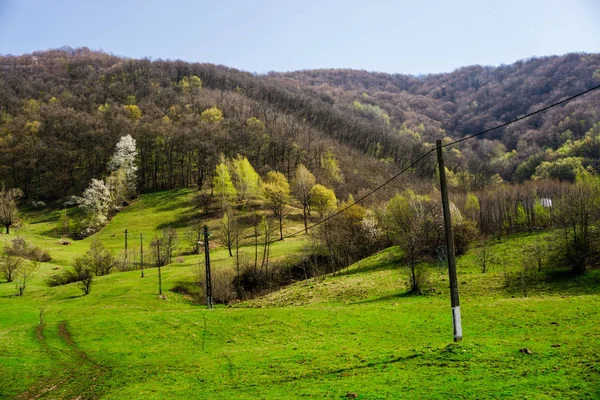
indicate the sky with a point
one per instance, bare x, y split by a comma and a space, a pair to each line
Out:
411, 37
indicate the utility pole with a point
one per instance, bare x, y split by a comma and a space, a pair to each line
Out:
454, 301
159, 276
142, 253
209, 299
126, 249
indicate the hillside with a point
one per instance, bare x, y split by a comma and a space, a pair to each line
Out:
64, 110
357, 331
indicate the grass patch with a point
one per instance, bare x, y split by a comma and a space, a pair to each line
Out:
353, 332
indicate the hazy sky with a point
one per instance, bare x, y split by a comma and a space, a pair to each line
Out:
416, 36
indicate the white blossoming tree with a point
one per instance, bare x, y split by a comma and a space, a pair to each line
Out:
102, 197
123, 169
96, 202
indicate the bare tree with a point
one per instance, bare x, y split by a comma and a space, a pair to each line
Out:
8, 206
84, 274
303, 181
9, 265
228, 228
23, 277
101, 260
578, 210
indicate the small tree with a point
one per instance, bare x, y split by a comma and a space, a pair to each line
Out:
99, 259
223, 186
170, 240
228, 229
8, 206
123, 168
212, 115
414, 222
164, 246
84, 274
9, 265
303, 182
95, 203
247, 181
277, 194
23, 276
322, 199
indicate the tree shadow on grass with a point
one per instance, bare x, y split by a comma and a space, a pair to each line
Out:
558, 282
319, 374
388, 261
187, 220
74, 296
390, 297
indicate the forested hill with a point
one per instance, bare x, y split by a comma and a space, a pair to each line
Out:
62, 112
469, 99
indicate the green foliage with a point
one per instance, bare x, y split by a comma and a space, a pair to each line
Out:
133, 112
564, 169
104, 108
330, 168
247, 181
527, 168
222, 184
303, 182
322, 199
541, 214
472, 206
370, 109
31, 106
276, 190
521, 216
212, 115
188, 83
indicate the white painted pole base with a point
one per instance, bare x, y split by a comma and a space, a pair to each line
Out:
456, 324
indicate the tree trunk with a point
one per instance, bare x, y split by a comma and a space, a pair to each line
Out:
305, 224
281, 227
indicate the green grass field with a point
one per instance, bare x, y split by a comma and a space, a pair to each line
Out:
357, 332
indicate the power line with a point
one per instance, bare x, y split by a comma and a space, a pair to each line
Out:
365, 196
431, 151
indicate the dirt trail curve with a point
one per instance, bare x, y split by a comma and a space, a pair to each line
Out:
78, 375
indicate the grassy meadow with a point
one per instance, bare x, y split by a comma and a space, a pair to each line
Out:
355, 334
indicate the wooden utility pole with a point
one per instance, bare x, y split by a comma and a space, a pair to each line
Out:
126, 249
142, 253
209, 299
159, 276
454, 301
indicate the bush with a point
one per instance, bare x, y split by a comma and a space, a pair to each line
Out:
464, 233
222, 286
21, 248
63, 278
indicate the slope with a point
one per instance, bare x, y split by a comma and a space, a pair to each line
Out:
358, 333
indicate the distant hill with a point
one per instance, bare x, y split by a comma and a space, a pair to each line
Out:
62, 111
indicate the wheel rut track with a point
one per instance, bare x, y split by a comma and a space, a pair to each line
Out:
80, 375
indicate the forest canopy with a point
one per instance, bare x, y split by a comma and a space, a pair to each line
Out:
62, 112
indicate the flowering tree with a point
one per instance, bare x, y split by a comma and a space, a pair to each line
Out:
123, 162
96, 202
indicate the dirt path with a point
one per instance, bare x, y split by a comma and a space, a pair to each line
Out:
78, 377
